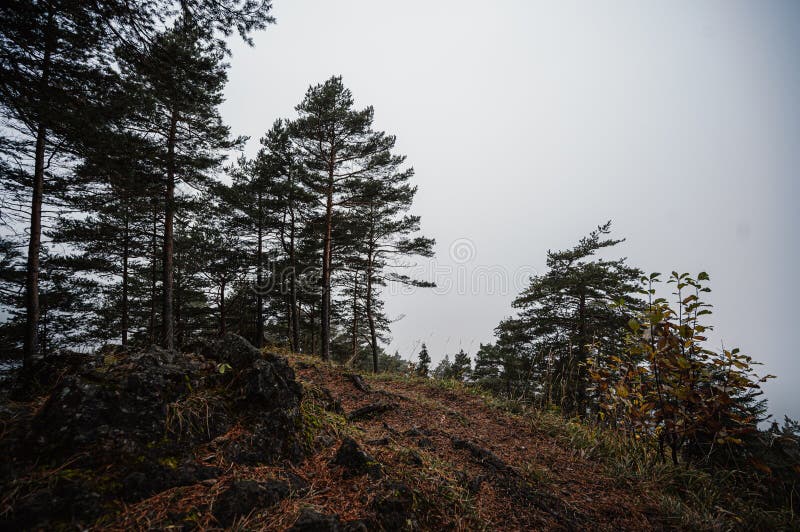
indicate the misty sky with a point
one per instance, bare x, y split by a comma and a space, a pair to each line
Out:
530, 123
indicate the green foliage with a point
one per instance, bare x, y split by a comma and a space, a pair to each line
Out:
564, 315
443, 370
500, 368
667, 383
462, 366
424, 362
81, 84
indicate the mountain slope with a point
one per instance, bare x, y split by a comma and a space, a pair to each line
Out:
229, 440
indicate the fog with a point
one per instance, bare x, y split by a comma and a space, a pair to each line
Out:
530, 123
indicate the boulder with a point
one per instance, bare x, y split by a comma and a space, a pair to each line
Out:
234, 350
394, 510
139, 417
244, 496
355, 461
313, 521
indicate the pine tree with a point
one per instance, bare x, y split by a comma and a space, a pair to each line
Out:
112, 187
462, 366
388, 233
51, 56
182, 74
488, 366
12, 284
54, 78
338, 149
279, 177
503, 367
219, 253
444, 369
248, 199
424, 363
571, 311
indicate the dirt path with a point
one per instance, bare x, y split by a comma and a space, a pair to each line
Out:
513, 476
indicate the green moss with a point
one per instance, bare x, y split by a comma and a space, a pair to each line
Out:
170, 462
99, 483
315, 420
73, 474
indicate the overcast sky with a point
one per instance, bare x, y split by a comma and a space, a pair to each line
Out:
529, 123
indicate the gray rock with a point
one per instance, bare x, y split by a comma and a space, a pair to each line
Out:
244, 496
355, 461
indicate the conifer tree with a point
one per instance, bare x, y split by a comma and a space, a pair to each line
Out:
462, 366
503, 367
54, 77
219, 253
50, 76
338, 149
182, 74
389, 233
444, 369
252, 217
572, 310
488, 366
112, 187
289, 203
424, 361
12, 284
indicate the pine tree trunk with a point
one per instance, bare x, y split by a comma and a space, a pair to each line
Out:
293, 286
354, 331
168, 339
125, 258
580, 389
371, 319
260, 277
178, 305
45, 337
288, 323
222, 330
153, 276
325, 317
34, 247
313, 330
368, 274
32, 310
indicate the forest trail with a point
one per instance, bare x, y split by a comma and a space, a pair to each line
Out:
497, 468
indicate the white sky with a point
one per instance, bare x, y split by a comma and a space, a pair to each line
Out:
529, 123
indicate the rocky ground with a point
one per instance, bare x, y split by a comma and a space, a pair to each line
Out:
233, 438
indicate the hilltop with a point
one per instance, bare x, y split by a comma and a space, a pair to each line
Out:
230, 437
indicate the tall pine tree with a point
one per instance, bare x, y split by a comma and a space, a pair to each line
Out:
338, 149
182, 74
51, 74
